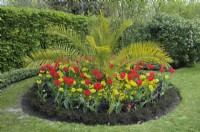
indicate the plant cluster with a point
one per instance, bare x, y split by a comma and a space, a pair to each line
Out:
179, 37
9, 77
79, 84
23, 31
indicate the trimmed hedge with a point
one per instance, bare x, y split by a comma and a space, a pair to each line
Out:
180, 37
23, 29
16, 75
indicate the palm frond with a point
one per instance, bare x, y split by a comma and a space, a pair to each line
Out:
47, 56
71, 35
115, 36
148, 52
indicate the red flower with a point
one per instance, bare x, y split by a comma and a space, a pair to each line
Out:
52, 72
69, 81
150, 67
57, 64
43, 68
135, 75
98, 86
76, 69
130, 76
66, 79
87, 81
57, 82
122, 75
141, 64
162, 69
56, 75
86, 93
152, 74
99, 75
95, 71
111, 66
82, 75
171, 70
139, 82
65, 69
137, 67
128, 106
109, 81
150, 78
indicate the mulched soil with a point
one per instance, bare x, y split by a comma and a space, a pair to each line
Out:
160, 107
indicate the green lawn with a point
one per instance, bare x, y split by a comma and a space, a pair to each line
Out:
186, 117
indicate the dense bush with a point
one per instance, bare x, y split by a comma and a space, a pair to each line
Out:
23, 29
180, 37
16, 75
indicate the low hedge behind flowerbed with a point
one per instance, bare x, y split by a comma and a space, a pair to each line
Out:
16, 75
32, 105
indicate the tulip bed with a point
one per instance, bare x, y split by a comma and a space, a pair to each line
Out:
76, 86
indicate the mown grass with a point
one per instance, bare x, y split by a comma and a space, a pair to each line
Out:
186, 117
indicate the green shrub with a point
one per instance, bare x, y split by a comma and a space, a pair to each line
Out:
23, 29
180, 37
16, 75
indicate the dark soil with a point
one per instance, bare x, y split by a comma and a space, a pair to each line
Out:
161, 106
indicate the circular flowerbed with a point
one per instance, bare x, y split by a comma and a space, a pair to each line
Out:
48, 110
78, 91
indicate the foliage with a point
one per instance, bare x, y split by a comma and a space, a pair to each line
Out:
23, 29
79, 84
179, 37
16, 75
100, 45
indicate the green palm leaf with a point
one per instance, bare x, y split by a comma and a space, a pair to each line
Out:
148, 52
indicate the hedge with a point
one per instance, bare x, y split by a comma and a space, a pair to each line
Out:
180, 37
23, 29
10, 77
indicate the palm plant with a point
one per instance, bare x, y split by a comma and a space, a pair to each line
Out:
101, 44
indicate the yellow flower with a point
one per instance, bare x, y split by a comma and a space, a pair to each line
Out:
47, 72
60, 79
115, 92
79, 90
133, 92
39, 81
142, 77
156, 80
73, 90
86, 75
147, 74
99, 94
103, 83
83, 82
128, 67
91, 86
40, 75
134, 84
151, 88
74, 82
41, 71
91, 97
128, 86
60, 74
61, 89
92, 90
48, 76
84, 69
101, 90
166, 77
